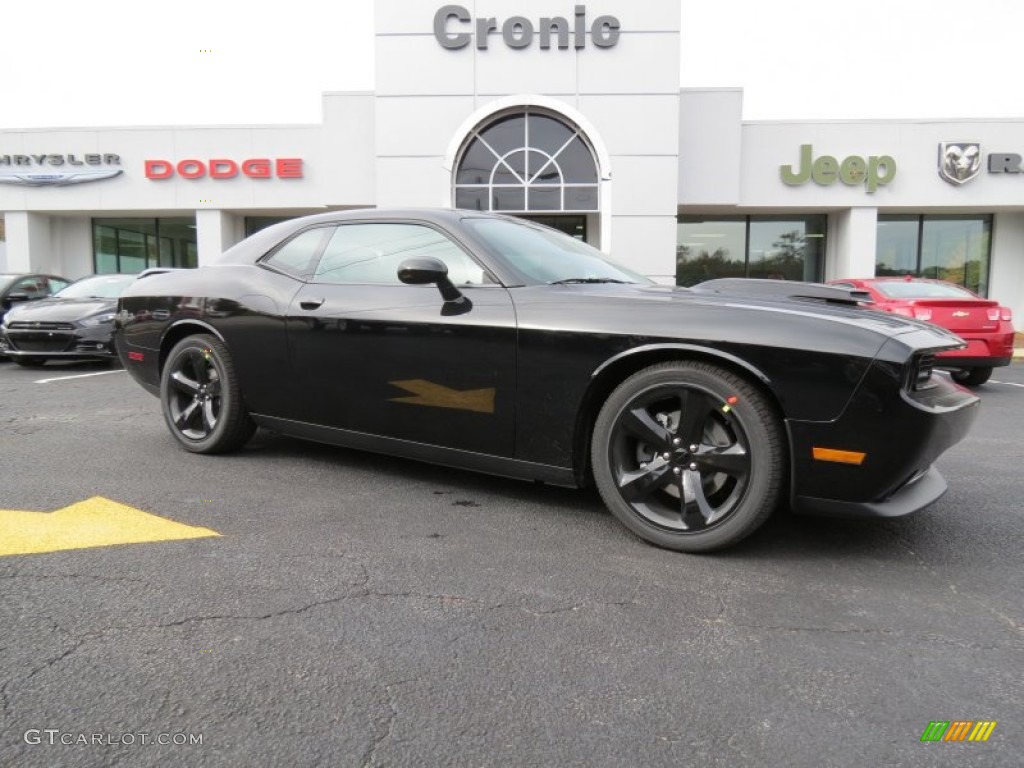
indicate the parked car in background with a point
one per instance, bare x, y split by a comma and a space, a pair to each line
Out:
16, 289
494, 344
75, 323
984, 324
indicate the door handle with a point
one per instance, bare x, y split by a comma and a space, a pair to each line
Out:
311, 303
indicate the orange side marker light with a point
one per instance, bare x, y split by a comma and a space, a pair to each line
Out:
840, 457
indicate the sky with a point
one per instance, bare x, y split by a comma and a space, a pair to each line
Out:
68, 63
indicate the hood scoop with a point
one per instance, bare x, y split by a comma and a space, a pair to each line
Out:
783, 289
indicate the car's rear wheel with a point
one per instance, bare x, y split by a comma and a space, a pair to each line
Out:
201, 399
689, 456
30, 362
971, 377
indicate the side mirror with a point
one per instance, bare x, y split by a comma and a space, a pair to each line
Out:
13, 297
424, 270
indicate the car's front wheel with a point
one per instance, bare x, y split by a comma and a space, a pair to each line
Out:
201, 399
689, 456
971, 377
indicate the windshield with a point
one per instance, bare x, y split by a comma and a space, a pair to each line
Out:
922, 290
549, 256
97, 287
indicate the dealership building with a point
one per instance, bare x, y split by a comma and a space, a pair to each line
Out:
569, 114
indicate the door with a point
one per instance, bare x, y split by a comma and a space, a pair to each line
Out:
373, 355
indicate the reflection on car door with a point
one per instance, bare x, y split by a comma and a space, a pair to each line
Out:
373, 355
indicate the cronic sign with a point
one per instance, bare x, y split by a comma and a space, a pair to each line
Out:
455, 27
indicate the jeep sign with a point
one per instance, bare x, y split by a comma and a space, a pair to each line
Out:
871, 172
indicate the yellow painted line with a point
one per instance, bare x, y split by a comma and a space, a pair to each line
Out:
95, 522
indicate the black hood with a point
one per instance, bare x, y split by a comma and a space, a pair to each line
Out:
58, 310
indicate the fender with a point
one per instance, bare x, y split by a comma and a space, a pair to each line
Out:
189, 321
762, 377
588, 409
172, 335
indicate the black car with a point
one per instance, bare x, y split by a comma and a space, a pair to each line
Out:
18, 288
76, 323
498, 345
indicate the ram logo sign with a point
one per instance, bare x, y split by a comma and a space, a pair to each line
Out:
959, 161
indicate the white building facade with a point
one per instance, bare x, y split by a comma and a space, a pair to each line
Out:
570, 114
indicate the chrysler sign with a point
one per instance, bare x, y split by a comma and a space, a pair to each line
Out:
51, 170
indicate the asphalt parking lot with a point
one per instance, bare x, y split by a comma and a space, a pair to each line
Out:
357, 610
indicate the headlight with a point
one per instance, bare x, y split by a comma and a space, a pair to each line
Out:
90, 322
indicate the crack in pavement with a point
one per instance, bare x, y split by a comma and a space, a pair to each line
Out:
370, 758
5, 703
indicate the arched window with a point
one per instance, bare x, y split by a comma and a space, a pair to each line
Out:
524, 162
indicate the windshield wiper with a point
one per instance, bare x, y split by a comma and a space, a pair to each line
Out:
581, 280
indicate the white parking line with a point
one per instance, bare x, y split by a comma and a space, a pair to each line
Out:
77, 376
1007, 383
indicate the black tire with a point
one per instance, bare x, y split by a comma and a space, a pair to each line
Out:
200, 397
29, 362
689, 456
971, 377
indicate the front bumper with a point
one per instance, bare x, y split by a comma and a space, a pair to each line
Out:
900, 432
917, 494
74, 343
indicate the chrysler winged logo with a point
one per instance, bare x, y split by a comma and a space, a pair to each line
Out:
56, 178
959, 161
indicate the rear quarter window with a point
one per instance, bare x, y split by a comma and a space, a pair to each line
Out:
298, 255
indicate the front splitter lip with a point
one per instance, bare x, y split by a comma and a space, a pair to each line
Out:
78, 355
917, 494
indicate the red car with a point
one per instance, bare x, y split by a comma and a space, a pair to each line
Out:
982, 323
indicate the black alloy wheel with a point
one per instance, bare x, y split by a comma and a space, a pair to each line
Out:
971, 377
201, 400
689, 456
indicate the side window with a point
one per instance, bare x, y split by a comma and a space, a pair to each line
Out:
297, 256
371, 253
30, 286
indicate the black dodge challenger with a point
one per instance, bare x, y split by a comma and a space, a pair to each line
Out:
498, 345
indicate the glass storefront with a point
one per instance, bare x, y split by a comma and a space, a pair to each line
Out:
955, 248
768, 247
134, 244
